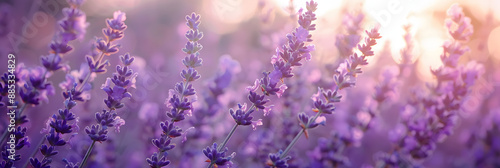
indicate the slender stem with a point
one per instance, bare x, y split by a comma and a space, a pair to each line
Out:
289, 147
87, 154
225, 141
184, 85
232, 132
227, 138
21, 110
4, 135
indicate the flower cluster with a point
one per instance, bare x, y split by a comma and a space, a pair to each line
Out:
407, 53
328, 152
35, 87
116, 89
345, 43
17, 140
288, 56
484, 141
428, 120
404, 109
60, 124
228, 67
384, 91
181, 99
33, 81
4, 86
114, 31
323, 101
73, 26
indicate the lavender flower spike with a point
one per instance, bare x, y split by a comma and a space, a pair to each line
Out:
432, 118
181, 98
288, 56
323, 101
60, 124
116, 89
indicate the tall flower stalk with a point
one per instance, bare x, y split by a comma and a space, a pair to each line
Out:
33, 81
115, 87
323, 101
62, 123
181, 99
429, 119
288, 56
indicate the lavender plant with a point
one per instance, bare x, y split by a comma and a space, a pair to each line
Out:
405, 117
346, 43
36, 87
285, 59
483, 142
116, 89
217, 86
324, 100
180, 101
33, 81
428, 120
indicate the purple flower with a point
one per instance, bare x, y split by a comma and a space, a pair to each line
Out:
36, 88
97, 133
407, 53
345, 43
216, 156
241, 116
117, 22
181, 98
154, 161
329, 150
61, 123
386, 85
20, 139
276, 162
459, 26
430, 118
323, 101
288, 56
163, 144
74, 24
123, 78
114, 31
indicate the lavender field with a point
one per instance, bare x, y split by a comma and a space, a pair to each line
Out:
250, 83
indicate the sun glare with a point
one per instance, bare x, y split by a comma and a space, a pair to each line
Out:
326, 5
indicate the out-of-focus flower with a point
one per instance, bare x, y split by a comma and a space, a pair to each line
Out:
181, 98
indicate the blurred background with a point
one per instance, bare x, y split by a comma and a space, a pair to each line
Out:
248, 33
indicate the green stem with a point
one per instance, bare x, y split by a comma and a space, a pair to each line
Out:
87, 155
221, 147
289, 147
227, 138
